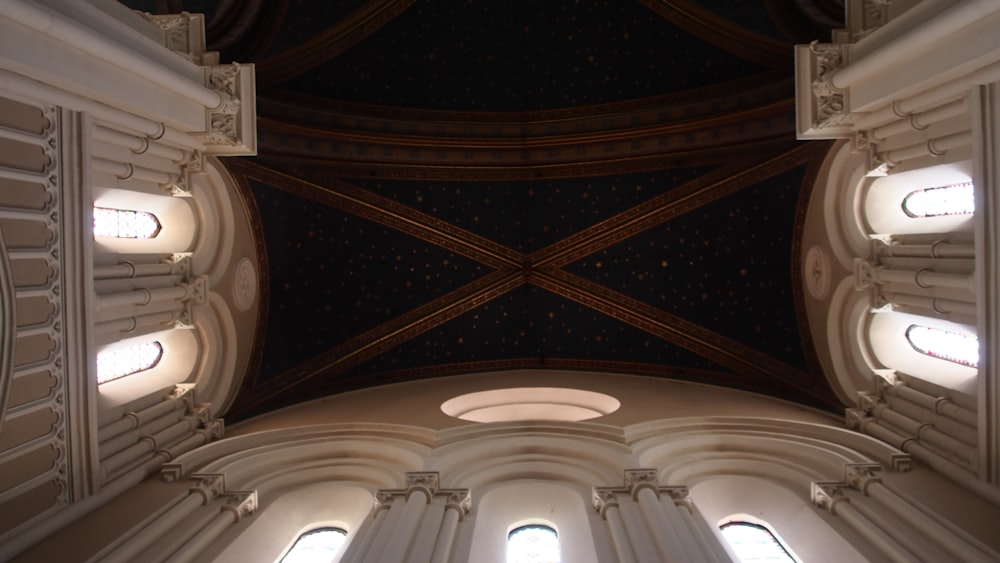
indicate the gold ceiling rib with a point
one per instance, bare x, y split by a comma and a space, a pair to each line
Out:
385, 337
722, 32
671, 328
389, 213
332, 42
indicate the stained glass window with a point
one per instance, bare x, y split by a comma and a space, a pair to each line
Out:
533, 544
754, 542
316, 546
951, 346
119, 362
124, 223
956, 199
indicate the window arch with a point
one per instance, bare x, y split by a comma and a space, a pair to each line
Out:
116, 363
754, 542
125, 223
533, 543
955, 347
318, 545
955, 199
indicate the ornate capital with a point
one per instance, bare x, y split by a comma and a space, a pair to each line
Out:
864, 274
231, 124
208, 485
637, 479
459, 500
861, 475
183, 33
604, 498
241, 503
826, 494
855, 419
426, 481
831, 109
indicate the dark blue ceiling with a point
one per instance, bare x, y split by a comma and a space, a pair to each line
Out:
452, 186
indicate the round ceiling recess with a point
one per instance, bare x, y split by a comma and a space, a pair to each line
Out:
530, 403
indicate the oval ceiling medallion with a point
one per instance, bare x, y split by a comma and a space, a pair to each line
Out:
530, 403
244, 285
816, 272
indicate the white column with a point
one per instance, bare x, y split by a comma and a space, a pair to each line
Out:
862, 477
457, 506
639, 535
237, 505
829, 495
606, 502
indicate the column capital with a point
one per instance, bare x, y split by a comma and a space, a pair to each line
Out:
826, 494
459, 500
606, 497
241, 503
232, 124
426, 481
861, 475
208, 485
638, 479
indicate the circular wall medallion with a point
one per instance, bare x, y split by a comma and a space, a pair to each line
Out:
816, 273
245, 285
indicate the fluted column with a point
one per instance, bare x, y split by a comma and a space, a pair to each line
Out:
606, 502
647, 525
419, 525
830, 495
205, 490
457, 506
864, 478
233, 508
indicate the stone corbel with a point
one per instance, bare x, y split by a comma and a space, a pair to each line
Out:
232, 128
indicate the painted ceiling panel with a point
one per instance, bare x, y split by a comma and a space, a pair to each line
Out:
528, 216
532, 327
543, 54
334, 275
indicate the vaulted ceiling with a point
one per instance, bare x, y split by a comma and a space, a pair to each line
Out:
451, 186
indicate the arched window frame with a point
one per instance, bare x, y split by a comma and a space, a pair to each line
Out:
520, 530
138, 357
126, 223
960, 202
954, 356
759, 527
299, 552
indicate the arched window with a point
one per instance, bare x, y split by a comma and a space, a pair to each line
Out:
755, 542
125, 223
956, 199
118, 362
316, 546
955, 347
534, 543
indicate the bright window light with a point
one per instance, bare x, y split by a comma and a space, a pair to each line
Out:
753, 542
533, 544
956, 199
316, 546
118, 362
124, 223
951, 346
